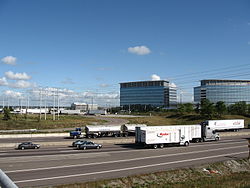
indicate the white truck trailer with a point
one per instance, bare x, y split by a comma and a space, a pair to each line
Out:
187, 134
223, 125
159, 136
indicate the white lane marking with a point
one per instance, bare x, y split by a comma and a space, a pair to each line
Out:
122, 160
131, 168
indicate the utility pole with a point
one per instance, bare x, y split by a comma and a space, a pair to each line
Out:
45, 105
40, 114
58, 104
54, 112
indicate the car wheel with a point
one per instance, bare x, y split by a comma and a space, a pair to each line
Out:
186, 144
84, 148
217, 139
36, 147
22, 148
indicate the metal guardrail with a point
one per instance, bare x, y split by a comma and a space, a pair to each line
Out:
5, 181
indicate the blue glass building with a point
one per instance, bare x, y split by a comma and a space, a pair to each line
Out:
155, 93
228, 91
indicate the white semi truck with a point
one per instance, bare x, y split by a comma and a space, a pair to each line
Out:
223, 125
159, 136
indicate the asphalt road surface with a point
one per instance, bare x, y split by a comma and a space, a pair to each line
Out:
62, 165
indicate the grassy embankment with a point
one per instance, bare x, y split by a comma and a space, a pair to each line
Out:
19, 121
176, 119
229, 174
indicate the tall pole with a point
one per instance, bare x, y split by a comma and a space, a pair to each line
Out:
45, 105
54, 112
58, 104
40, 114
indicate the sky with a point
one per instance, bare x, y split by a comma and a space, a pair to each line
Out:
85, 48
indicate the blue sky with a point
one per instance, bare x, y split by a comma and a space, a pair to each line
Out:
93, 45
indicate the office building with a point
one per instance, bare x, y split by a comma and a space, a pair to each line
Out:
158, 93
228, 91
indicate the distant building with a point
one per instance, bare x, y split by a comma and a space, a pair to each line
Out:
158, 93
228, 91
83, 107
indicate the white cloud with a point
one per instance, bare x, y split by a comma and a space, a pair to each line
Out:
17, 76
21, 84
155, 77
3, 82
139, 50
9, 60
12, 94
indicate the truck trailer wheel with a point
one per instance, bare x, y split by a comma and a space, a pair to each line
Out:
155, 146
161, 146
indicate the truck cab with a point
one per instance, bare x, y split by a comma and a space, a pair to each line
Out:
76, 133
208, 133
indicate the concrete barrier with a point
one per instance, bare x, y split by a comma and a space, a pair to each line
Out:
34, 135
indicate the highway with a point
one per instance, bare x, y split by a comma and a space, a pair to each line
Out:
50, 166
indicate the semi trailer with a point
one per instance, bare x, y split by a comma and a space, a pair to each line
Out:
160, 136
224, 125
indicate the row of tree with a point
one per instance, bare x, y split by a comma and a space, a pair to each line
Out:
209, 110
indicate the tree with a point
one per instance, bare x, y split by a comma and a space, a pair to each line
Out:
220, 108
6, 115
207, 108
239, 108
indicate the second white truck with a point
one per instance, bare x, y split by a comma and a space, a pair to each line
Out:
160, 136
225, 125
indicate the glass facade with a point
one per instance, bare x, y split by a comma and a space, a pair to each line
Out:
229, 91
154, 93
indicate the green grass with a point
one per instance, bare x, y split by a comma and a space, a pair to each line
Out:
19, 121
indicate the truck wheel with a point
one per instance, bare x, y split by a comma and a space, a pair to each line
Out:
155, 146
161, 146
186, 144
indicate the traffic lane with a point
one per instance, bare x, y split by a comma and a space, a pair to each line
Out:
52, 150
132, 158
55, 139
106, 148
90, 156
113, 169
106, 145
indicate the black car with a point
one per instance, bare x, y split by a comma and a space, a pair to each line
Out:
28, 145
89, 145
78, 142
